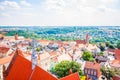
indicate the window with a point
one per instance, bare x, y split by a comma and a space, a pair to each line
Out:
88, 71
91, 72
85, 70
95, 72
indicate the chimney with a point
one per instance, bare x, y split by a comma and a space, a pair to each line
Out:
94, 63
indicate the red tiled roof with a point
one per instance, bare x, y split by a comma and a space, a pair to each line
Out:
4, 50
21, 69
117, 54
111, 50
92, 65
116, 77
40, 74
5, 60
80, 42
74, 76
53, 53
115, 63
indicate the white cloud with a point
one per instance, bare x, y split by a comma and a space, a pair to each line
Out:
25, 3
6, 14
1, 7
11, 4
64, 12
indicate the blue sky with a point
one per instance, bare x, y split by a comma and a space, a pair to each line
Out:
60, 12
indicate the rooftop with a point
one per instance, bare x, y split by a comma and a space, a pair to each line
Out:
74, 76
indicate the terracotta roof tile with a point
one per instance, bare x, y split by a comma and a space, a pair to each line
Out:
20, 70
92, 65
4, 50
5, 60
80, 42
74, 76
117, 54
54, 53
40, 74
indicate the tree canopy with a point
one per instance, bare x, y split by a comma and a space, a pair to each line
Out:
118, 45
102, 46
87, 56
62, 69
110, 72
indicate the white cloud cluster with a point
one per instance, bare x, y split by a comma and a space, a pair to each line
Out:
10, 4
25, 3
61, 12
85, 12
1, 8
81, 5
12, 8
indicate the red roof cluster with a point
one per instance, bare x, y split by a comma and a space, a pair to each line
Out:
21, 69
117, 54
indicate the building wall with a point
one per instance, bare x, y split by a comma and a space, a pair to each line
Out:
45, 64
1, 72
92, 73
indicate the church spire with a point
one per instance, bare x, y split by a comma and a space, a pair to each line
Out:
34, 54
87, 38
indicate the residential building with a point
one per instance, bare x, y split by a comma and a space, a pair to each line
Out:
92, 70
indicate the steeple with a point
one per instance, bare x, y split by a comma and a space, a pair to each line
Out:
16, 36
34, 54
87, 39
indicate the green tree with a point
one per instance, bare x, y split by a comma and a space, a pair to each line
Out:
102, 46
62, 68
101, 53
87, 56
111, 46
110, 72
118, 45
38, 49
107, 44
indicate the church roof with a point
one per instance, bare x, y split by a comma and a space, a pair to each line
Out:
21, 69
74, 76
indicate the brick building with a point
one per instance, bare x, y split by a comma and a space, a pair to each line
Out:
92, 70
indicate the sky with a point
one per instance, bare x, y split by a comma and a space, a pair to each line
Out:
60, 12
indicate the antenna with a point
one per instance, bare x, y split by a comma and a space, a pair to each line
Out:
34, 54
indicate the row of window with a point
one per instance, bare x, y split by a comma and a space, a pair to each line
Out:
91, 72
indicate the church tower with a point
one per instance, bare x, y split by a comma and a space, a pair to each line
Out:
16, 36
87, 39
34, 54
